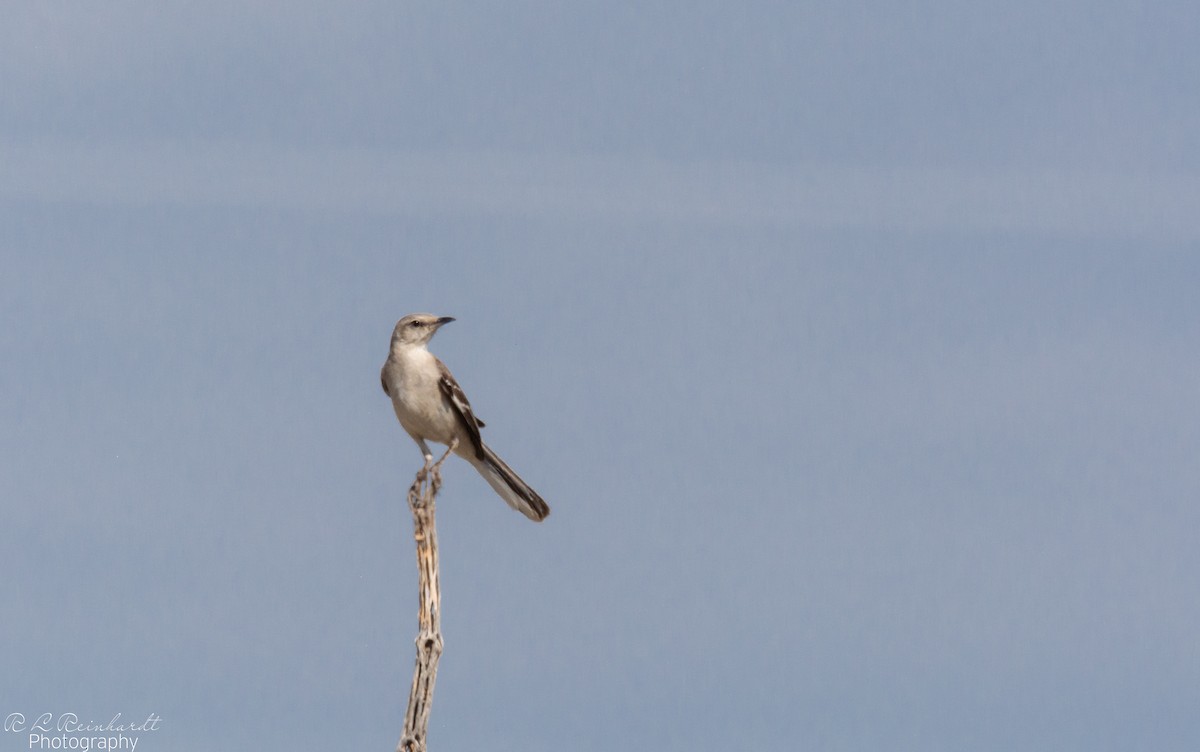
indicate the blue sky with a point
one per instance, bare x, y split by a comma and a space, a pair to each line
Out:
853, 346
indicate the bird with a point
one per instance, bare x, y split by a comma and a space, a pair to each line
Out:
431, 406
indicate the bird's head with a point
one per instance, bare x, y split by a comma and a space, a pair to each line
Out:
417, 328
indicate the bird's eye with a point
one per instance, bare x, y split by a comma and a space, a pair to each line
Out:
414, 323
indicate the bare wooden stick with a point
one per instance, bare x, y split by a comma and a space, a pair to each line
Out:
421, 498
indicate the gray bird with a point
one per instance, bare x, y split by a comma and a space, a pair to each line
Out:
431, 406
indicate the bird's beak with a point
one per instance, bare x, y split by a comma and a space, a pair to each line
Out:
444, 320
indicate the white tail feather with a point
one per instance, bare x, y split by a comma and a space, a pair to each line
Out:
515, 492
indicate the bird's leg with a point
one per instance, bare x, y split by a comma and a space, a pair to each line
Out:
449, 449
437, 467
426, 452
428, 455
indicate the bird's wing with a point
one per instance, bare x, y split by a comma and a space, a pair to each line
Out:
458, 400
383, 379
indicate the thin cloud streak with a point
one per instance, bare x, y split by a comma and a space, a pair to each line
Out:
575, 187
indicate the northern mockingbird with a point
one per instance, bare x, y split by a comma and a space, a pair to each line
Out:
432, 407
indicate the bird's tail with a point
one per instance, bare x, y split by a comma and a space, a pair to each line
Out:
509, 485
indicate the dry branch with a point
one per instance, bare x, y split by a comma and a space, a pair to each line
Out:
421, 498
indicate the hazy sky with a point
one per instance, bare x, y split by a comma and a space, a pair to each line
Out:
853, 345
